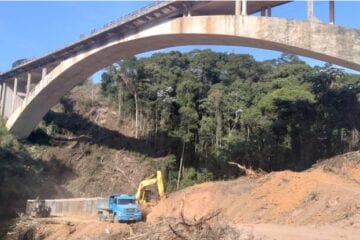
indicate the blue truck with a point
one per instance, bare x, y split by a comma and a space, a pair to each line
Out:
120, 207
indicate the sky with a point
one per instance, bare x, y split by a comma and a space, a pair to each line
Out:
30, 29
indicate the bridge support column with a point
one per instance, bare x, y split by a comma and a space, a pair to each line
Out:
310, 9
268, 11
14, 95
237, 7
331, 11
1, 86
43, 74
2, 102
28, 83
1, 97
186, 11
263, 12
244, 7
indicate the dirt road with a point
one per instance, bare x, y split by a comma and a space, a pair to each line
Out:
286, 232
73, 227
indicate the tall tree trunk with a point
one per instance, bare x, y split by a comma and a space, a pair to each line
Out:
248, 134
143, 120
181, 165
354, 139
206, 155
218, 129
156, 119
136, 115
92, 94
229, 128
140, 123
132, 121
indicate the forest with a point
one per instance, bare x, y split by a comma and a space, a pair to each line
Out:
207, 108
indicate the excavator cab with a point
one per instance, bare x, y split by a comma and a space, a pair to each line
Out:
144, 195
148, 195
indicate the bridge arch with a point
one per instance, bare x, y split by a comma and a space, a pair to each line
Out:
325, 42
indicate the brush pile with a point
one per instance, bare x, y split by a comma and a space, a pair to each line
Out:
205, 228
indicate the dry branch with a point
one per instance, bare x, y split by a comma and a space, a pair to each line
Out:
70, 139
178, 234
185, 229
248, 171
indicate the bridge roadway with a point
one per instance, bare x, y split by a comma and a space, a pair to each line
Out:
30, 90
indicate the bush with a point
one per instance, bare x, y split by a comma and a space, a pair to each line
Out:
7, 141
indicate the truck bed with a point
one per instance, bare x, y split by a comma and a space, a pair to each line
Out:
102, 203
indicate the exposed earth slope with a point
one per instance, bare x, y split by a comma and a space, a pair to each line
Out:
328, 193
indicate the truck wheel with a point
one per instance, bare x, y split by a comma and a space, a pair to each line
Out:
100, 216
114, 219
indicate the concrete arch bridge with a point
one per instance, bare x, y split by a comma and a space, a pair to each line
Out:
31, 89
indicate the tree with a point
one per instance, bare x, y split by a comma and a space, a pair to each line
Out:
19, 62
131, 73
215, 96
219, 107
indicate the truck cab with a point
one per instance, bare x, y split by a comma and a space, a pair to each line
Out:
121, 207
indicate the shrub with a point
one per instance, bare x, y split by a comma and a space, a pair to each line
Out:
7, 141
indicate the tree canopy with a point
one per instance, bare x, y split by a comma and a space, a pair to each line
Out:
278, 114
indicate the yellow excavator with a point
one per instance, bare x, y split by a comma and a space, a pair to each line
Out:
143, 195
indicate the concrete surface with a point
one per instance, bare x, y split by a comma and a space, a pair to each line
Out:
325, 42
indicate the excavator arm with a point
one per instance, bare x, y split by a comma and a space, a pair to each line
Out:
158, 180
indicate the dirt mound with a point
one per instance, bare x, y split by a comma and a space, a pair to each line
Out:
316, 196
346, 165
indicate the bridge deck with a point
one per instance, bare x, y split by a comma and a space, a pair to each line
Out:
135, 21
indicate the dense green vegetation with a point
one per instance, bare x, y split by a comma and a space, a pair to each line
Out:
21, 176
7, 141
18, 62
217, 107
15, 179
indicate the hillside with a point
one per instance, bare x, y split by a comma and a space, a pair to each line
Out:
91, 152
81, 149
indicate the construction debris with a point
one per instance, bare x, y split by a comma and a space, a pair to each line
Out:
180, 229
204, 228
23, 229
